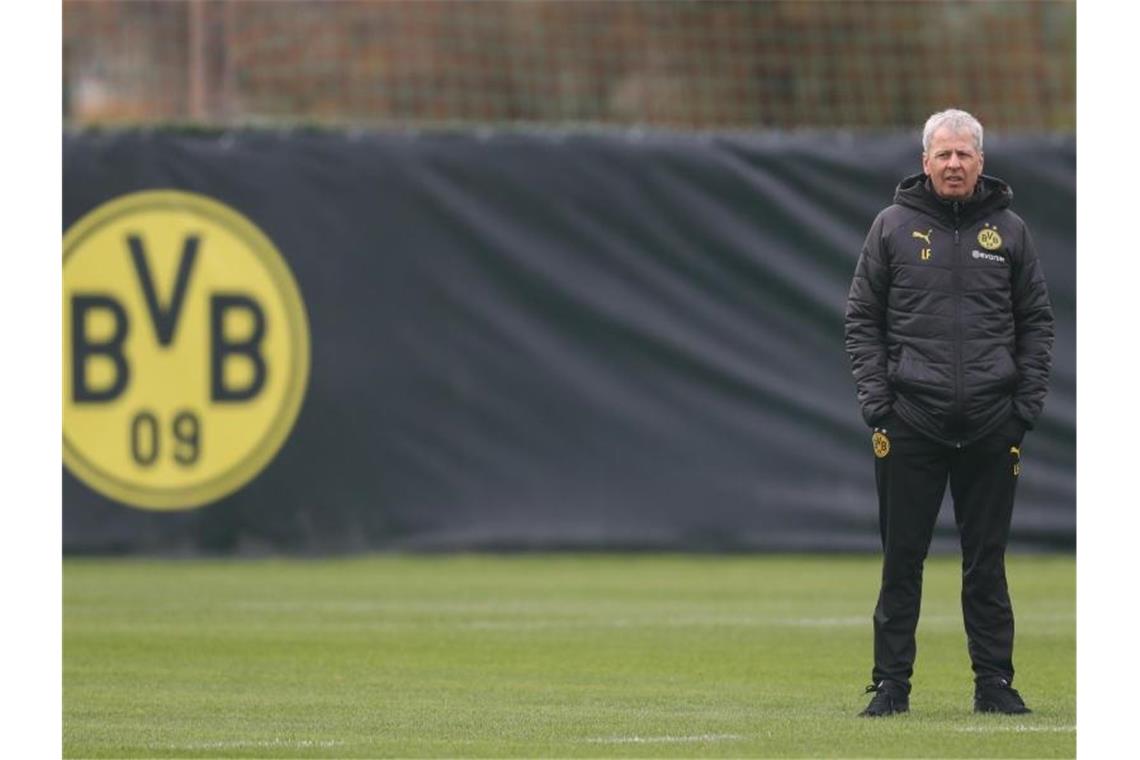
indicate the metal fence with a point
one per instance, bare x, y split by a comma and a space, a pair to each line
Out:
675, 64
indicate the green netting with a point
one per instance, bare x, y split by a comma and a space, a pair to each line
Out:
703, 65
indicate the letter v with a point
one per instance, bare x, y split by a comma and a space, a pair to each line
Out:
165, 320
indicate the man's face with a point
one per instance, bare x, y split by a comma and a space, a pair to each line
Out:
953, 164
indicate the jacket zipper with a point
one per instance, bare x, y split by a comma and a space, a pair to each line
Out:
957, 280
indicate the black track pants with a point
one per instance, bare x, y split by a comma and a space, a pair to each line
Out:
911, 477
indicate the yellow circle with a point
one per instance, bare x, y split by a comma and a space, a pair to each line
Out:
185, 350
989, 239
881, 443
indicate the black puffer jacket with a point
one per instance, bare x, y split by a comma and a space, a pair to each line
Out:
949, 324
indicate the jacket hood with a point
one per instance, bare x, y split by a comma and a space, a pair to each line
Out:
991, 194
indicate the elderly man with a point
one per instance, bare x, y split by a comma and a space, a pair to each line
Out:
950, 335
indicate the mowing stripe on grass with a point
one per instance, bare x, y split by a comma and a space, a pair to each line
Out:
1014, 728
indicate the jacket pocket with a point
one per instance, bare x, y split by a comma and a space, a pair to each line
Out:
1008, 369
915, 374
993, 372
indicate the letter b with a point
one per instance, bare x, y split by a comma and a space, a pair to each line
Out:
223, 350
83, 348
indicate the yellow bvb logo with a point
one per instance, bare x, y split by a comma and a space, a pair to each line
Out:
989, 238
186, 350
881, 443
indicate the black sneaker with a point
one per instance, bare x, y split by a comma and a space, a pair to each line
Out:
890, 698
995, 695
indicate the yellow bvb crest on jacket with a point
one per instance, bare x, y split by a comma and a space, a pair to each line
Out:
989, 238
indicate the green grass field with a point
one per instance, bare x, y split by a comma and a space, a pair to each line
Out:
538, 655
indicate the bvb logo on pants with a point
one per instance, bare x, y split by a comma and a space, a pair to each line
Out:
186, 350
881, 443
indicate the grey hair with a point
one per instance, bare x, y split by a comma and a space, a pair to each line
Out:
956, 121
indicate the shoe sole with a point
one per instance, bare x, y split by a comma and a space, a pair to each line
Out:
895, 711
990, 707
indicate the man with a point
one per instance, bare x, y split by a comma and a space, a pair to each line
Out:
950, 334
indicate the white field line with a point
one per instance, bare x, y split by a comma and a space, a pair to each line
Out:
253, 744
661, 739
677, 622
748, 621
1016, 728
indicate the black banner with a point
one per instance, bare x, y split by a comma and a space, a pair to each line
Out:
568, 340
